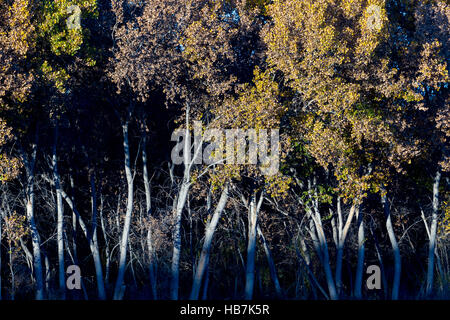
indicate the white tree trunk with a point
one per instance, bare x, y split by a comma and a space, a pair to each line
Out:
251, 246
272, 268
395, 248
202, 264
205, 285
323, 242
325, 257
180, 202
360, 265
175, 269
35, 238
119, 290
433, 231
380, 260
319, 241
94, 240
148, 202
105, 237
342, 236
306, 262
60, 221
93, 247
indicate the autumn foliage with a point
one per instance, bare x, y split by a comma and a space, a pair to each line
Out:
91, 92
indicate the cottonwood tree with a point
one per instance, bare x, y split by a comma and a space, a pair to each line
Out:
148, 57
220, 46
257, 108
431, 37
16, 40
341, 58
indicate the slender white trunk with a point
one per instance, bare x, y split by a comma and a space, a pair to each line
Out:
94, 241
317, 219
319, 240
334, 230
251, 246
325, 257
306, 262
342, 236
35, 238
74, 223
180, 203
380, 260
175, 269
60, 220
205, 286
152, 266
272, 268
119, 289
312, 230
148, 202
339, 246
395, 248
433, 231
105, 237
209, 233
360, 265
94, 248
75, 262
11, 270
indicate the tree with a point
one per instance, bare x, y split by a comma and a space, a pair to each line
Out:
344, 59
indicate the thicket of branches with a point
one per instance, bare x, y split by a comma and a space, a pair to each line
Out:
358, 90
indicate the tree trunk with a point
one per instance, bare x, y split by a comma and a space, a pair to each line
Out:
394, 244
342, 236
433, 231
119, 290
306, 262
272, 268
321, 239
105, 237
11, 269
360, 265
74, 221
35, 238
175, 269
94, 240
325, 258
148, 202
94, 248
180, 203
209, 233
205, 285
75, 262
251, 246
380, 260
60, 220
